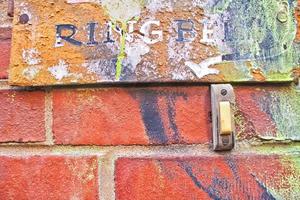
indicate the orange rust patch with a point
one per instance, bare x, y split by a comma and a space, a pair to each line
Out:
44, 42
258, 75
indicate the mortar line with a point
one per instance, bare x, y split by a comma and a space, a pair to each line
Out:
107, 177
147, 151
99, 179
4, 85
49, 117
107, 156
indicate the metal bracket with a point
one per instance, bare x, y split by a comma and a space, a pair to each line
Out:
222, 101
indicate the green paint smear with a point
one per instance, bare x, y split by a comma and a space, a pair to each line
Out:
122, 12
122, 53
287, 114
289, 184
279, 77
281, 149
293, 191
288, 179
251, 34
283, 106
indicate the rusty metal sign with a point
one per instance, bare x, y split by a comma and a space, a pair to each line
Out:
91, 41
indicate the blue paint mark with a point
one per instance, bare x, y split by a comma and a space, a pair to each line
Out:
233, 167
182, 31
266, 195
268, 41
91, 30
152, 119
109, 34
220, 187
59, 34
151, 116
209, 190
240, 32
171, 116
231, 163
222, 183
127, 73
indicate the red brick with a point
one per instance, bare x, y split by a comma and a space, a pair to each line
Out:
215, 177
5, 33
262, 112
4, 58
126, 116
5, 45
22, 116
169, 115
256, 119
48, 178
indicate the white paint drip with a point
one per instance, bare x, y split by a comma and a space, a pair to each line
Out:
59, 71
30, 72
214, 31
135, 51
202, 69
31, 56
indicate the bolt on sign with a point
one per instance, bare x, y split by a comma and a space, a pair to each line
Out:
94, 41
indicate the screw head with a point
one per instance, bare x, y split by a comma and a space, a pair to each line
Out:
24, 19
224, 92
282, 16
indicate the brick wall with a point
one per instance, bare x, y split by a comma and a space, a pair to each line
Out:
143, 141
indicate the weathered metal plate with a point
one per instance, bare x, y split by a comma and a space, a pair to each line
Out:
91, 41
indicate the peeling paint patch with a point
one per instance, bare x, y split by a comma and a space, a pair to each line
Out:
157, 5
202, 69
124, 10
31, 72
268, 113
60, 71
96, 67
135, 51
156, 41
31, 56
283, 106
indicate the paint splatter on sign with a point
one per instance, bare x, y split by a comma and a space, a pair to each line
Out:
93, 41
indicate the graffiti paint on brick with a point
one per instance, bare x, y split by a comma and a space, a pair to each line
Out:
93, 41
230, 177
